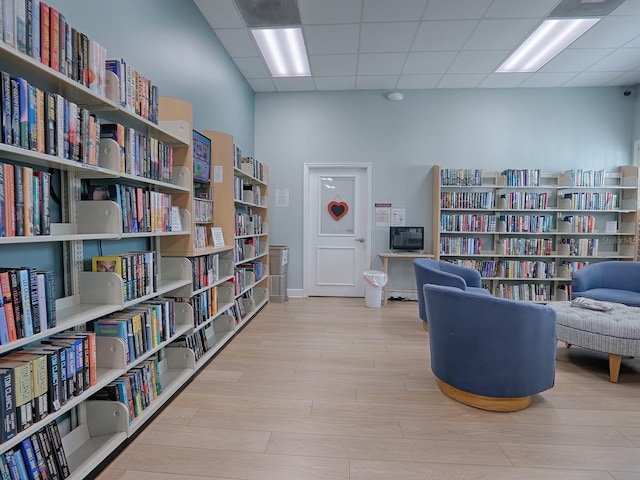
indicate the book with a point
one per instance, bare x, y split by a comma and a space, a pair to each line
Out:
50, 135
25, 297
46, 448
5, 473
111, 327
58, 449
41, 292
32, 125
19, 200
67, 367
9, 199
29, 456
77, 343
20, 11
20, 465
52, 357
7, 300
8, 406
50, 298
15, 112
7, 132
108, 263
40, 380
27, 195
23, 112
54, 38
41, 461
45, 34
45, 201
23, 388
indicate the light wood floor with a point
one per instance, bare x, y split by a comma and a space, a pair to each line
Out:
327, 389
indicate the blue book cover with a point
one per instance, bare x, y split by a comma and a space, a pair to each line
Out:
114, 328
5, 474
36, 29
20, 464
15, 112
29, 457
23, 106
7, 134
31, 117
25, 296
13, 466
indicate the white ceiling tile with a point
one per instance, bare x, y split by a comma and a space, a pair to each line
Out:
262, 84
376, 82
294, 84
331, 39
504, 80
500, 34
315, 12
547, 79
456, 9
635, 43
336, 83
381, 63
252, 67
520, 8
397, 10
610, 32
576, 59
592, 79
442, 35
630, 78
220, 13
629, 7
387, 37
421, 63
455, 80
418, 81
619, 60
333, 65
237, 41
478, 61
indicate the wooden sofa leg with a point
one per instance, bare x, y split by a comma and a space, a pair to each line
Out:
425, 325
614, 367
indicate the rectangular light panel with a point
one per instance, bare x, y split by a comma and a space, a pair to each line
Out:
549, 39
284, 51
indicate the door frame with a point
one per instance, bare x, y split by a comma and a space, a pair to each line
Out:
306, 218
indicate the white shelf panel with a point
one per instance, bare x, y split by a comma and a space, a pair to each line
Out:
92, 452
238, 237
251, 314
221, 341
223, 307
248, 204
251, 259
241, 173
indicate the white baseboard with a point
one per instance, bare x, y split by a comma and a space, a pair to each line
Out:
295, 292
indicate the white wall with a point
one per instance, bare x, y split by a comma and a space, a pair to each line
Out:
492, 129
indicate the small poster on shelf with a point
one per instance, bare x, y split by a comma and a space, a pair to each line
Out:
218, 239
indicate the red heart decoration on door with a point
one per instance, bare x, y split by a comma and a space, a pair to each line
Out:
337, 210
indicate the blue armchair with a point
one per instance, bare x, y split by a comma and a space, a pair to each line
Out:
611, 281
438, 272
489, 352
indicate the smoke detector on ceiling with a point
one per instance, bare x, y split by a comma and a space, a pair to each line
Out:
395, 96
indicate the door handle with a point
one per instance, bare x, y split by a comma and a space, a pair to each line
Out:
360, 239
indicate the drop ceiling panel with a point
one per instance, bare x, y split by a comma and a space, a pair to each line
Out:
592, 79
618, 60
610, 32
455, 80
376, 82
335, 83
422, 63
238, 42
456, 9
520, 8
397, 10
314, 12
252, 67
332, 39
418, 81
298, 84
500, 34
333, 65
443, 35
381, 63
478, 62
630, 7
504, 80
387, 37
538, 79
220, 13
576, 59
262, 84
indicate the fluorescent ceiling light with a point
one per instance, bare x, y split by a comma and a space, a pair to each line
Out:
549, 39
283, 50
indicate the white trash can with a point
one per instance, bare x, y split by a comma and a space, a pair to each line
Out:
373, 283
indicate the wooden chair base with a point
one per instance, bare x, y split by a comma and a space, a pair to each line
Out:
485, 403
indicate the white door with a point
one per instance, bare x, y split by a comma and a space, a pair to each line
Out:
337, 229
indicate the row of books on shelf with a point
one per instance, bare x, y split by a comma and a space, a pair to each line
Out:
249, 224
138, 270
142, 210
581, 223
581, 247
245, 191
247, 248
25, 200
46, 122
202, 211
141, 328
137, 389
571, 247
522, 177
483, 200
41, 378
40, 456
519, 269
585, 178
592, 200
28, 303
461, 176
526, 200
200, 236
526, 246
525, 177
204, 304
42, 32
246, 275
535, 292
199, 342
248, 165
138, 94
139, 154
205, 270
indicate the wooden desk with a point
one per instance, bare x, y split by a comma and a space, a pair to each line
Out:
385, 265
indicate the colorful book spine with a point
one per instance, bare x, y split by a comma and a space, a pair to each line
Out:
45, 34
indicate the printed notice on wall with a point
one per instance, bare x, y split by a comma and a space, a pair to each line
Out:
282, 197
397, 217
217, 174
383, 214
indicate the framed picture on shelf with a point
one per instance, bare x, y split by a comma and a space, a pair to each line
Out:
218, 239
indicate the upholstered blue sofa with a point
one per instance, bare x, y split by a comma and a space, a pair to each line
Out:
439, 272
489, 352
609, 281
